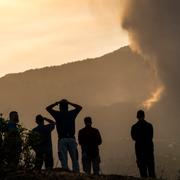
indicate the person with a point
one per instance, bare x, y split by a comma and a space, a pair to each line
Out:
65, 125
41, 142
2, 122
89, 138
12, 145
142, 134
2, 129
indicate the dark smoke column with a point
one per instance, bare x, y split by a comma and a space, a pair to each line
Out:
154, 30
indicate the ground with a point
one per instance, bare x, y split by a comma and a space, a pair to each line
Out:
58, 174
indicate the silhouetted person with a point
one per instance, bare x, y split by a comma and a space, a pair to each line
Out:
142, 134
2, 129
43, 144
65, 125
12, 145
89, 138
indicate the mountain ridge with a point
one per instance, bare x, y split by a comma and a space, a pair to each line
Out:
64, 64
109, 88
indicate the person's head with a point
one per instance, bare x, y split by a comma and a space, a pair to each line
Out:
140, 115
88, 121
13, 116
39, 119
63, 105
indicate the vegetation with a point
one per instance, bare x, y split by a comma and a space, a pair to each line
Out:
11, 142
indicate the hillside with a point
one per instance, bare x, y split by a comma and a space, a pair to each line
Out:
112, 78
110, 88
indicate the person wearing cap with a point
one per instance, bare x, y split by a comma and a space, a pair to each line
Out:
89, 138
42, 143
142, 134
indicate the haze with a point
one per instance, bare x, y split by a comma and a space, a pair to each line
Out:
111, 88
40, 33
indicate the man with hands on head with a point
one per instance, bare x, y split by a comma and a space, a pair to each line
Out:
65, 125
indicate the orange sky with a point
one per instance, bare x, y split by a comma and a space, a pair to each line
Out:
40, 33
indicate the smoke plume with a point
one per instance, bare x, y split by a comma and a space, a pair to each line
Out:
154, 31
155, 97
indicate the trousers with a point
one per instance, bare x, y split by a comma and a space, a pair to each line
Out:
65, 146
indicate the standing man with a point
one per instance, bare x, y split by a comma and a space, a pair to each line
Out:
12, 145
2, 130
142, 134
65, 125
41, 136
90, 139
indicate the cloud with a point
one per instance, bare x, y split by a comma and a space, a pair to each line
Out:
154, 29
154, 98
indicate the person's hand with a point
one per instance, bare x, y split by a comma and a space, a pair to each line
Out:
63, 101
56, 103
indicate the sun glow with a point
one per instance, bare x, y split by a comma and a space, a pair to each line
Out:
38, 33
10, 3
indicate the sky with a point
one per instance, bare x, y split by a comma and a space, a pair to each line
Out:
39, 33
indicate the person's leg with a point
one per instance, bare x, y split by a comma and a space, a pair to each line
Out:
151, 166
142, 168
62, 152
13, 161
1, 157
96, 165
49, 160
141, 161
86, 162
72, 147
38, 160
13, 157
1, 151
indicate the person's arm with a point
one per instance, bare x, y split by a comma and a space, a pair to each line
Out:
79, 138
76, 106
99, 139
49, 126
50, 107
133, 134
49, 120
151, 132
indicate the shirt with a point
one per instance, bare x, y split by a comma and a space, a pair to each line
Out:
44, 137
89, 138
65, 122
